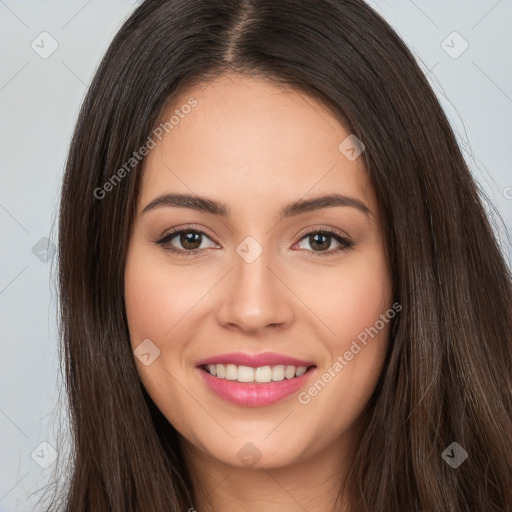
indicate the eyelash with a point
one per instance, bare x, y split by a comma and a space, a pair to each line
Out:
344, 242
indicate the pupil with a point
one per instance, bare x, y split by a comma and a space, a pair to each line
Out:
316, 242
187, 239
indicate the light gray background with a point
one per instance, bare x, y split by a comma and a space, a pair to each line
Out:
39, 102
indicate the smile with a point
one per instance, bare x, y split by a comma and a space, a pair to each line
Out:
260, 374
255, 380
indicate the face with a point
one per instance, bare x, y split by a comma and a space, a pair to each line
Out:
286, 296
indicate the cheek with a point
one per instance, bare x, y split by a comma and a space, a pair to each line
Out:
155, 311
162, 303
356, 305
363, 296
350, 298
158, 296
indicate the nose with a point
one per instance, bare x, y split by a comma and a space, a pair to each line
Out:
255, 297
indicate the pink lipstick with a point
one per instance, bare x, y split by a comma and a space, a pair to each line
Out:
255, 380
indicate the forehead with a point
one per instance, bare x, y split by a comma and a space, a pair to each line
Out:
246, 140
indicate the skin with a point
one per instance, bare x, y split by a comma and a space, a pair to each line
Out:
257, 148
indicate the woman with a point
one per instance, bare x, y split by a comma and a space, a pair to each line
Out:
278, 286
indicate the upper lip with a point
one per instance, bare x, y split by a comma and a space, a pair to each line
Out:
254, 360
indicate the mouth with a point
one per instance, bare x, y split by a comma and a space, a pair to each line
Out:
255, 380
257, 375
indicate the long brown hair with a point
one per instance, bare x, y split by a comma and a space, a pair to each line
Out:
447, 376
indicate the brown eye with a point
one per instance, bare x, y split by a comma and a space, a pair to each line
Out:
185, 241
321, 241
190, 240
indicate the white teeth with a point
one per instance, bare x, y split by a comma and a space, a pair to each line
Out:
300, 371
278, 372
221, 371
245, 374
263, 374
289, 373
231, 372
260, 374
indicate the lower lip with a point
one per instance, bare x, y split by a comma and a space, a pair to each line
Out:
251, 394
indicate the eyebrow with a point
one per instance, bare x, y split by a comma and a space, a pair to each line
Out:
216, 208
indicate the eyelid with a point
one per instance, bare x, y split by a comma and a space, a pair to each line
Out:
186, 227
330, 230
